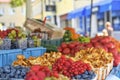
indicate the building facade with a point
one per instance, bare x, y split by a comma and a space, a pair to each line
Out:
11, 17
54, 10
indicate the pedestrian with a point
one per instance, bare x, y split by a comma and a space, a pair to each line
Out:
108, 31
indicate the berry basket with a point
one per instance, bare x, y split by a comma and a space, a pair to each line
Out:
34, 43
5, 44
22, 43
103, 72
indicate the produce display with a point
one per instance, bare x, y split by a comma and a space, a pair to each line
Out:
43, 73
71, 68
96, 56
61, 77
45, 60
69, 48
38, 73
70, 34
109, 44
21, 61
87, 75
67, 36
84, 39
5, 44
10, 72
16, 34
12, 39
34, 41
72, 57
100, 60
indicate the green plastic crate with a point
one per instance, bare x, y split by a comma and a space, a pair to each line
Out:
55, 42
51, 45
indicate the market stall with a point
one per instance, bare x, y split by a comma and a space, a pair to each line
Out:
74, 57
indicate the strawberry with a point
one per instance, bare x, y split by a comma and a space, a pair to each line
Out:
41, 75
35, 68
66, 51
59, 49
71, 46
31, 77
55, 74
64, 45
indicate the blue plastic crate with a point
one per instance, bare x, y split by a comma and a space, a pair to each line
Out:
114, 74
10, 79
8, 56
38, 51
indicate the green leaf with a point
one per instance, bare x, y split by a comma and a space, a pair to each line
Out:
17, 3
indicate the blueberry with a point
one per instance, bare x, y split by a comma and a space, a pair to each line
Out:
18, 72
18, 67
88, 78
1, 70
20, 77
23, 77
78, 76
12, 74
16, 76
90, 72
13, 70
84, 76
93, 76
86, 72
8, 76
73, 78
3, 75
6, 69
23, 73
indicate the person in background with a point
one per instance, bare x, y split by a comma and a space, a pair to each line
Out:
108, 31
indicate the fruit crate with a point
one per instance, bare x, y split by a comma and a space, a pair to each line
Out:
19, 44
38, 51
55, 42
8, 56
5, 44
114, 74
51, 45
22, 43
34, 43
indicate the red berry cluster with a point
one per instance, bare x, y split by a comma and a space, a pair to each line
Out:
38, 73
70, 48
70, 68
78, 67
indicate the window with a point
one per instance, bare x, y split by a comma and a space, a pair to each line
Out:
1, 11
23, 10
108, 16
12, 24
12, 11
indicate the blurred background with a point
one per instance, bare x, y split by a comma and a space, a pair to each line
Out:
86, 16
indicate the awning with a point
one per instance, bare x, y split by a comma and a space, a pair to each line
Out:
107, 5
88, 9
76, 13
104, 5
